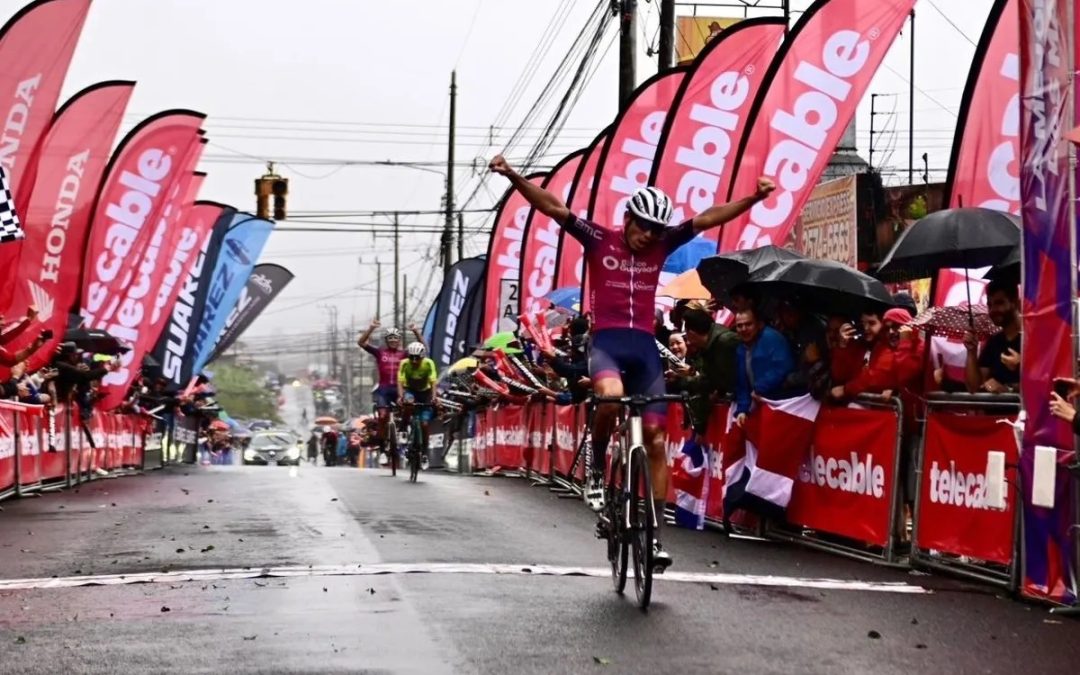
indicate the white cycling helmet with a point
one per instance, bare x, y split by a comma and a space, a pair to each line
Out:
416, 349
651, 204
393, 334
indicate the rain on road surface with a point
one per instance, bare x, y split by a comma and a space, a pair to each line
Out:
315, 570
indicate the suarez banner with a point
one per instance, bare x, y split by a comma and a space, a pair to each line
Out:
1049, 284
459, 289
240, 251
266, 282
57, 217
807, 100
502, 296
570, 266
138, 183
36, 46
709, 116
175, 347
541, 246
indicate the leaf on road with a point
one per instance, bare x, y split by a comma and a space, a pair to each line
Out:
206, 527
601, 660
920, 646
260, 585
249, 637
20, 640
371, 591
324, 590
209, 548
209, 501
179, 550
333, 499
874, 635
165, 608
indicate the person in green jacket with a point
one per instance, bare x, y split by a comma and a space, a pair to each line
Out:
709, 374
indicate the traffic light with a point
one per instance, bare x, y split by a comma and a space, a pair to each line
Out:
280, 189
267, 186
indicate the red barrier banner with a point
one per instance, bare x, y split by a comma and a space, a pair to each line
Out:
715, 435
57, 217
510, 437
540, 249
953, 514
100, 449
29, 449
846, 486
7, 449
570, 265
480, 440
709, 115
565, 438
502, 294
806, 103
676, 437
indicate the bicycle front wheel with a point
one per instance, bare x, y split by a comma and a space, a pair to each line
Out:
618, 547
391, 445
641, 525
415, 446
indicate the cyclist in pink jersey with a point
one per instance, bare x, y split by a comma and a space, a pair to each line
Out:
623, 266
387, 360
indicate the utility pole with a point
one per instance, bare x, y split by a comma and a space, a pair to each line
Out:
460, 236
397, 271
404, 299
911, 108
448, 232
627, 49
870, 159
667, 35
378, 290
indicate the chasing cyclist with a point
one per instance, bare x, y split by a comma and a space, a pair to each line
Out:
417, 376
624, 266
388, 359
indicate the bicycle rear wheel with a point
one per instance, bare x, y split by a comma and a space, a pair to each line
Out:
390, 443
618, 547
641, 525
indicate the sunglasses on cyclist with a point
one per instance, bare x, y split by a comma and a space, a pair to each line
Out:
655, 229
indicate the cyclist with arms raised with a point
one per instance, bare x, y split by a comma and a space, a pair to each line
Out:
624, 266
417, 376
387, 359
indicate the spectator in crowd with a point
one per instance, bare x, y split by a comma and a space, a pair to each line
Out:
7, 334
574, 367
661, 331
313, 448
329, 447
845, 351
878, 375
711, 348
9, 359
676, 314
75, 377
806, 335
1065, 408
996, 368
677, 345
763, 362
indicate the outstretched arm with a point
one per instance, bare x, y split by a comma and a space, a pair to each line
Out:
540, 199
365, 337
715, 216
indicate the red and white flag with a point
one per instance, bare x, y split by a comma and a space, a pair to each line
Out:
762, 458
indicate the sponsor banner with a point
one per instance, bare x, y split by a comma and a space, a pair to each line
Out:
7, 449
36, 46
264, 284
29, 448
828, 226
175, 347
509, 443
982, 169
140, 181
540, 249
1049, 283
716, 434
164, 287
429, 322
57, 217
694, 33
240, 251
566, 441
845, 486
570, 266
806, 103
953, 514
451, 323
697, 150
502, 301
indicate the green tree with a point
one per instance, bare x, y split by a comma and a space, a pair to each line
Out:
241, 393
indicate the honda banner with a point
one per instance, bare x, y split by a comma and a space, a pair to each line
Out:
697, 150
175, 347
36, 46
138, 184
541, 246
502, 302
847, 484
807, 100
57, 217
954, 515
240, 251
1049, 283
570, 266
459, 288
266, 282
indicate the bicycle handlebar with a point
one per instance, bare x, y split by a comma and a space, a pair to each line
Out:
642, 400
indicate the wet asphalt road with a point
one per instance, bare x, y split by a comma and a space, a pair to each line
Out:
338, 618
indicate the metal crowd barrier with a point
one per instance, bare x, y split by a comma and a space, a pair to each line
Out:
960, 555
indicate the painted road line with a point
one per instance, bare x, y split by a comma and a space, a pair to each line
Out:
203, 575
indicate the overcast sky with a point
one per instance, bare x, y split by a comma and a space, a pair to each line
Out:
323, 81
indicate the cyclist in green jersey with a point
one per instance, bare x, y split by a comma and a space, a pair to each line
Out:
417, 376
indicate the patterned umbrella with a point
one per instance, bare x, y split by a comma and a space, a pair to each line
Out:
954, 321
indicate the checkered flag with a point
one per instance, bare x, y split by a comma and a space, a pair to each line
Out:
10, 229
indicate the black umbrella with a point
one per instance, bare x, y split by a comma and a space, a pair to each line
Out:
966, 238
721, 273
95, 341
821, 286
1007, 270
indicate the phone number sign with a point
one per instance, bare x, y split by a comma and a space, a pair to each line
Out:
828, 226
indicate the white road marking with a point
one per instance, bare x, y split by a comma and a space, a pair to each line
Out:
724, 579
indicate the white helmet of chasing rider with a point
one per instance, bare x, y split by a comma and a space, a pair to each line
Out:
650, 204
416, 349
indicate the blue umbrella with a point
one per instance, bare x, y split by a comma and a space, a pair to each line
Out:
567, 298
687, 257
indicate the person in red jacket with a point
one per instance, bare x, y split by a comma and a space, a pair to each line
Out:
879, 373
846, 354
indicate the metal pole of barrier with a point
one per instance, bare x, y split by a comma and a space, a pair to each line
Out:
67, 447
895, 508
17, 431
